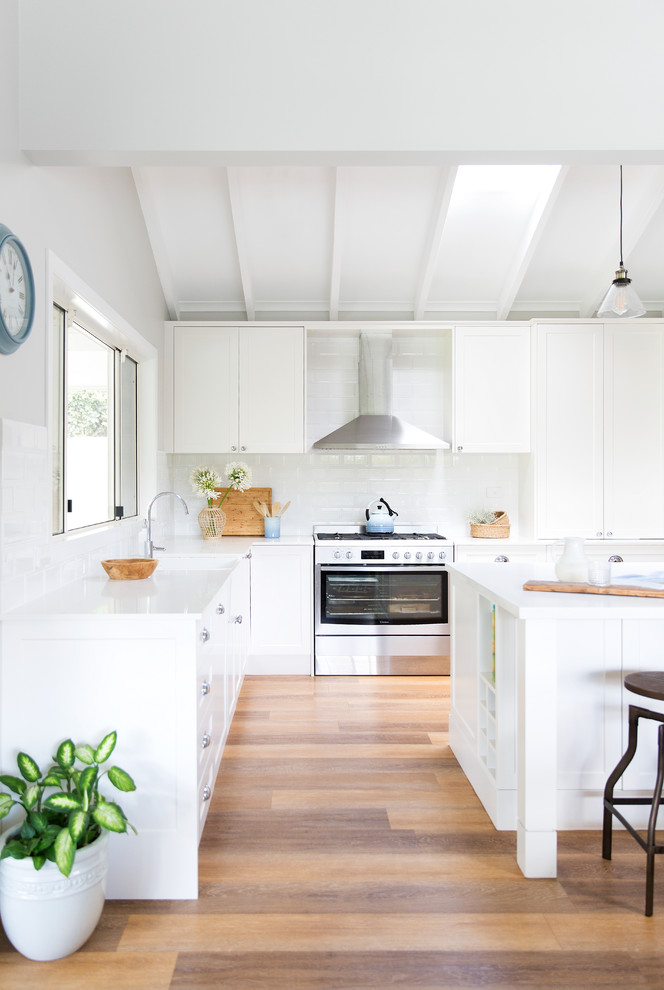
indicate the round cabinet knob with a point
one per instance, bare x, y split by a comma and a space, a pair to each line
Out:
609, 533
337, 554
205, 635
406, 556
395, 554
598, 534
501, 559
233, 448
238, 619
243, 448
459, 447
221, 609
205, 741
349, 554
419, 555
207, 792
616, 559
206, 687
442, 555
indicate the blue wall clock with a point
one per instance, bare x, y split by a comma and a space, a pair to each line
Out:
17, 292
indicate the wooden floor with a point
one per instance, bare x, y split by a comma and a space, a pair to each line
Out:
345, 849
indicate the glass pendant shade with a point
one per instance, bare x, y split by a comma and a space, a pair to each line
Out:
621, 300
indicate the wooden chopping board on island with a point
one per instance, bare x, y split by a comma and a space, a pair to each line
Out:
572, 587
241, 516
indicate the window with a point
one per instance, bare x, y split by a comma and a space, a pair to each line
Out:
94, 415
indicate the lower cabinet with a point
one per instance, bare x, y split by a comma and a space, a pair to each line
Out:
168, 684
281, 610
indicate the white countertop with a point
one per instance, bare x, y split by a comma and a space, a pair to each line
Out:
166, 593
503, 585
192, 546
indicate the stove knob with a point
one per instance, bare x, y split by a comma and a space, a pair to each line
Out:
349, 554
406, 556
396, 554
442, 555
430, 555
419, 555
337, 554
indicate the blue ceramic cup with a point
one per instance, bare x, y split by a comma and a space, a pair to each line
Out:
272, 527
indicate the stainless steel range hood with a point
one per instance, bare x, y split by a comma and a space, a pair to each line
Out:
376, 427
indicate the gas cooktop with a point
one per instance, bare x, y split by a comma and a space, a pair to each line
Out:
343, 537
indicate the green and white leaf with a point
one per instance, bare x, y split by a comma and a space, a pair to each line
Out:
28, 768
106, 747
78, 822
110, 816
62, 802
65, 754
31, 796
65, 850
121, 779
85, 754
14, 784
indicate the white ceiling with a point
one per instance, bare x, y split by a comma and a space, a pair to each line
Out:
400, 242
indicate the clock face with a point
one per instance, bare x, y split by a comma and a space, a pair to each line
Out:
13, 290
17, 292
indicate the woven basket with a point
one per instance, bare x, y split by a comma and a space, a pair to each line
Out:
499, 529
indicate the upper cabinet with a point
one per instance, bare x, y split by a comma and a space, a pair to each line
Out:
237, 389
492, 389
599, 462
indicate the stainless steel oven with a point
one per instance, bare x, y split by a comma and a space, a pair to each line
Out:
381, 603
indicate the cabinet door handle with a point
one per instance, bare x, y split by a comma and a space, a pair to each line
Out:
615, 559
501, 559
221, 609
205, 741
205, 635
233, 447
598, 534
243, 447
459, 447
206, 687
609, 534
207, 792
238, 619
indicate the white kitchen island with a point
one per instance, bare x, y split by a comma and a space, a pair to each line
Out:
538, 713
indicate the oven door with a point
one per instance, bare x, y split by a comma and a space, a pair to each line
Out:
381, 599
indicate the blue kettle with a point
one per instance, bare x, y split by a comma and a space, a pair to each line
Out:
380, 517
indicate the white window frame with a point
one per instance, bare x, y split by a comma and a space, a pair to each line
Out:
68, 290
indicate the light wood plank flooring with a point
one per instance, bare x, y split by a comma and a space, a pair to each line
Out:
344, 850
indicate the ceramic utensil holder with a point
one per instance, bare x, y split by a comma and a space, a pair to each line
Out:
272, 527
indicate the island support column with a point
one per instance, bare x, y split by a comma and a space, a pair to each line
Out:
537, 763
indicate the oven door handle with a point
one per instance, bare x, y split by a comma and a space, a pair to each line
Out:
382, 568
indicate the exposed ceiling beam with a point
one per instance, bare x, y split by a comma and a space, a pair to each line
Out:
526, 249
439, 216
156, 238
240, 232
338, 238
635, 224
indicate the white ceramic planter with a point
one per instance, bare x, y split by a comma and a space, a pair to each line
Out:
46, 915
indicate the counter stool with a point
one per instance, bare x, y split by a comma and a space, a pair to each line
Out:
648, 685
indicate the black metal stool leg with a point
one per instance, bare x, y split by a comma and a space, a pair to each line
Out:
614, 777
652, 824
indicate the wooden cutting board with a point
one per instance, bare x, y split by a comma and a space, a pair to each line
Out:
241, 517
571, 587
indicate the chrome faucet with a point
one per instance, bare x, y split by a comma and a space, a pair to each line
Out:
149, 545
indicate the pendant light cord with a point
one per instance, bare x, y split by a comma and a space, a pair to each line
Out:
621, 216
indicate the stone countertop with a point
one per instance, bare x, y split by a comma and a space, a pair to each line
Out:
503, 585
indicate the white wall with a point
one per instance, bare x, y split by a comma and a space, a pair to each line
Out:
91, 221
427, 80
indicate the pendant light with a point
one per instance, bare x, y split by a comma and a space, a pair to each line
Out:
621, 300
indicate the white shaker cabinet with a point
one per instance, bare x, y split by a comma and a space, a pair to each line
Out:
599, 461
238, 390
492, 389
281, 610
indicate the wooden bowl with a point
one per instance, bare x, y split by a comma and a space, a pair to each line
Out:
129, 568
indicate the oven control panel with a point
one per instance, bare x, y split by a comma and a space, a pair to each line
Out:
382, 555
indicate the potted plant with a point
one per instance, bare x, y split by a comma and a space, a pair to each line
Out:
53, 865
206, 483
